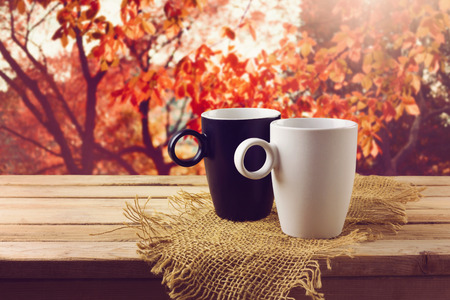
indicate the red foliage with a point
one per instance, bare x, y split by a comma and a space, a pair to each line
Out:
380, 63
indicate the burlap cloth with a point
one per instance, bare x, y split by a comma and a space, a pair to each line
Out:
201, 256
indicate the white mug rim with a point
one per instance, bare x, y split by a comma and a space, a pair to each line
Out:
241, 113
311, 124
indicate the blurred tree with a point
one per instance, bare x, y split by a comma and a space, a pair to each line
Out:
64, 102
382, 64
396, 53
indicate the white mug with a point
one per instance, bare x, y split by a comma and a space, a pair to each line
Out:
312, 163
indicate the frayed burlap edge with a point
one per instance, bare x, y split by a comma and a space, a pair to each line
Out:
201, 256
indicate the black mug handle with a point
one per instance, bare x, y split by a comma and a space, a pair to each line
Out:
201, 152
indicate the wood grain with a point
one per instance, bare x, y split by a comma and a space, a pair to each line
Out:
118, 233
50, 241
72, 211
126, 191
110, 210
102, 180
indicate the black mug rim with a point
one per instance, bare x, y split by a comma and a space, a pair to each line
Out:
240, 113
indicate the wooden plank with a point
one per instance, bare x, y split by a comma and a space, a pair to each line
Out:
426, 203
102, 180
49, 191
61, 251
385, 288
93, 233
67, 233
126, 250
110, 210
429, 216
424, 180
399, 248
411, 231
429, 210
422, 264
73, 211
57, 289
114, 215
80, 269
399, 258
436, 191
161, 180
115, 191
431, 203
417, 249
350, 288
100, 203
420, 232
64, 215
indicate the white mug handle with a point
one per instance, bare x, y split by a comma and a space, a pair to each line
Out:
241, 150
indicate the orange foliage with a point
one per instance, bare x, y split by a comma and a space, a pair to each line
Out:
369, 61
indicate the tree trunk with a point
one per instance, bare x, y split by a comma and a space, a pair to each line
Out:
87, 148
155, 153
386, 158
391, 164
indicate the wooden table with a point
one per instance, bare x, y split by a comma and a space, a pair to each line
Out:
48, 250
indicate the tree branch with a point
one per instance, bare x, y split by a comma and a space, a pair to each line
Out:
51, 124
146, 137
241, 21
172, 55
132, 149
34, 110
87, 156
413, 134
155, 153
116, 157
435, 112
82, 55
29, 140
142, 57
177, 124
43, 69
43, 170
44, 18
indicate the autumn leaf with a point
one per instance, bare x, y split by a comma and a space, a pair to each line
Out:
306, 44
412, 109
357, 78
351, 66
171, 28
181, 91
375, 149
366, 82
361, 105
367, 63
366, 146
388, 111
64, 40
148, 27
20, 4
191, 91
415, 83
228, 32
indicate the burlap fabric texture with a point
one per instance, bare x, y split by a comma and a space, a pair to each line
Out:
201, 256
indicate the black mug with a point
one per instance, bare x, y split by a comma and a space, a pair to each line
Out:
234, 196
